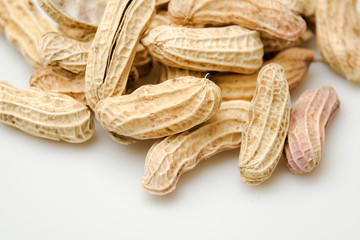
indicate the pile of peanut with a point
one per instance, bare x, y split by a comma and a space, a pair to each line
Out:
228, 68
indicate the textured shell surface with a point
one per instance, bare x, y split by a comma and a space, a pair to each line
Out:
84, 14
169, 158
306, 136
301, 7
56, 79
58, 50
265, 131
113, 49
276, 45
24, 26
338, 36
48, 115
295, 61
159, 19
168, 72
267, 16
232, 48
155, 111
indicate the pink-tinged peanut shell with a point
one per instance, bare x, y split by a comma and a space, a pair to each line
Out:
267, 16
265, 131
155, 111
169, 158
306, 136
43, 114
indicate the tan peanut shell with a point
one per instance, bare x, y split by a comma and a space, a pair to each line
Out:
76, 33
276, 45
306, 8
80, 14
168, 72
58, 50
159, 19
155, 111
265, 131
24, 26
113, 49
56, 79
169, 158
338, 36
295, 61
306, 136
142, 60
47, 115
232, 48
267, 16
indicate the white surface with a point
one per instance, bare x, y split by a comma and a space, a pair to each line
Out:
51, 190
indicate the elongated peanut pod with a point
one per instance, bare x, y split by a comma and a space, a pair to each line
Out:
338, 36
295, 61
306, 136
267, 16
58, 50
47, 115
113, 49
24, 26
265, 131
155, 111
169, 158
232, 48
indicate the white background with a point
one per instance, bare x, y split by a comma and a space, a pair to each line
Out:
54, 190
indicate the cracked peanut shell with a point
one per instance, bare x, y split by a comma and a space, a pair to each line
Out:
113, 49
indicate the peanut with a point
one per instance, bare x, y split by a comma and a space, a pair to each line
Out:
47, 115
338, 39
168, 72
56, 79
232, 48
142, 60
155, 111
113, 49
276, 45
306, 136
58, 50
295, 62
167, 159
24, 26
267, 16
265, 131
